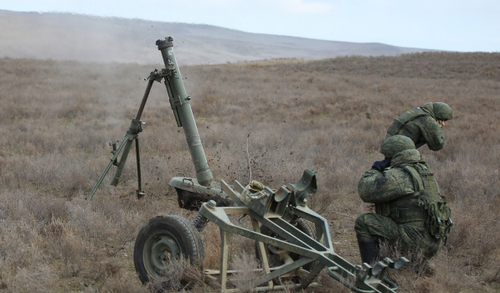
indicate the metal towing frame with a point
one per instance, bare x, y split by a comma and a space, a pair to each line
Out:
276, 210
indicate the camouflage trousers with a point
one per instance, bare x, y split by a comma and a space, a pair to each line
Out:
414, 236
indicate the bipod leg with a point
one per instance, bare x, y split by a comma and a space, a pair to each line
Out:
134, 129
146, 95
140, 192
132, 133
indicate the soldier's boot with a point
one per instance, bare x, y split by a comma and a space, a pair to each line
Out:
369, 251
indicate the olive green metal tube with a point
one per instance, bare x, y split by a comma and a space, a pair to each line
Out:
180, 102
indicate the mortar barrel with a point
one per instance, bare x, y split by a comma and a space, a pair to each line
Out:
181, 105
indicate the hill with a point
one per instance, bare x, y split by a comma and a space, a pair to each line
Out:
64, 36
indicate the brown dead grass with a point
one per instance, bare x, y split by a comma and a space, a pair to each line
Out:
328, 115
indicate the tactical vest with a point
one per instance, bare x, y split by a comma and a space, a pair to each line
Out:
404, 118
426, 205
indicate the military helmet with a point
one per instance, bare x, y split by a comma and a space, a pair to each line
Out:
442, 111
395, 144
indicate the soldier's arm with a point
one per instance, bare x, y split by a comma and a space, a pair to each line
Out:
432, 133
380, 187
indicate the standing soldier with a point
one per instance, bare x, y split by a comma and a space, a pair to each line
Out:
423, 125
409, 208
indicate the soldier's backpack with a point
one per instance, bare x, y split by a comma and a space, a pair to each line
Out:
427, 190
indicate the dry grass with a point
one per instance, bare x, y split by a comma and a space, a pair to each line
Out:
328, 115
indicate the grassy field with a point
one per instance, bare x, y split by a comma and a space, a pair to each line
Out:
328, 115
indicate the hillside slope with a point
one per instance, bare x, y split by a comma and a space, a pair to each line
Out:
63, 36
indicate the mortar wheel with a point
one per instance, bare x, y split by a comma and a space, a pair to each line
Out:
158, 250
274, 259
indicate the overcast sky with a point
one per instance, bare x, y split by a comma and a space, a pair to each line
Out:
454, 25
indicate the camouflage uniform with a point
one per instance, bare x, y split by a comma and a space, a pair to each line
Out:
420, 124
406, 197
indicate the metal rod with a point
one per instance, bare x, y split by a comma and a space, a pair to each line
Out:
138, 160
133, 131
144, 99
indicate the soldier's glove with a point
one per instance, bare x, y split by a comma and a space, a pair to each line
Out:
381, 165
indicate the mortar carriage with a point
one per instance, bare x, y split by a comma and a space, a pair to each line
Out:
292, 242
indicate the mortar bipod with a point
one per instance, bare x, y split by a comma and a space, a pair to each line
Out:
313, 252
130, 136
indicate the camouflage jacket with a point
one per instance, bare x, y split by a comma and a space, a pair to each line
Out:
421, 126
393, 191
408, 193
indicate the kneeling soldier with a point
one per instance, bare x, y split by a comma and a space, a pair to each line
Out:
409, 208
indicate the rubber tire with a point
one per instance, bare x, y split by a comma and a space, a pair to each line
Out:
166, 237
303, 226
